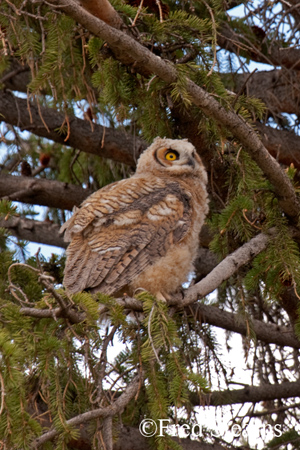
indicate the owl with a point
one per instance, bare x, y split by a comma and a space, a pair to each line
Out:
141, 232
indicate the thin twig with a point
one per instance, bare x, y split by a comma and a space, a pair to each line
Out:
2, 394
242, 87
138, 13
150, 337
214, 41
160, 11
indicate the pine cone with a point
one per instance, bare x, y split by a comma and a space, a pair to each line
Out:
26, 169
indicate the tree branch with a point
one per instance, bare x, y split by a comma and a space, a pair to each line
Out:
39, 191
34, 231
48, 233
251, 394
282, 144
265, 332
278, 89
130, 438
108, 411
16, 77
87, 137
127, 49
226, 268
274, 55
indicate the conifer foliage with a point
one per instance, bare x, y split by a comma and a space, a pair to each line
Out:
84, 88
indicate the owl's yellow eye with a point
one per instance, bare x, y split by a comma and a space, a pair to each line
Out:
171, 155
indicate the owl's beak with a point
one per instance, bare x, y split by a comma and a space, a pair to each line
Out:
190, 162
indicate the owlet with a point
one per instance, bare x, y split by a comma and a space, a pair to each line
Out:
140, 232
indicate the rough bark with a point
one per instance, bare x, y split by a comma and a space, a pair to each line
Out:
38, 191
283, 145
16, 77
131, 439
278, 89
266, 332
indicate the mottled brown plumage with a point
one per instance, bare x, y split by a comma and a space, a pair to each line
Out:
140, 232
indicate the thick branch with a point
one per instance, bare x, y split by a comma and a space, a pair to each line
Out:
282, 144
266, 332
123, 45
87, 137
34, 231
278, 89
39, 191
251, 394
42, 313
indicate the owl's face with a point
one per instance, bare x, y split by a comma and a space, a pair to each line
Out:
172, 157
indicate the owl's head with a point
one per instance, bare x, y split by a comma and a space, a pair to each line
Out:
175, 157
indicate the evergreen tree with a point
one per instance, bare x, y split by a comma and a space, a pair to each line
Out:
84, 88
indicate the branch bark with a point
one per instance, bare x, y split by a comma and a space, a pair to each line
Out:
278, 89
127, 49
39, 191
87, 137
16, 77
266, 332
253, 394
130, 438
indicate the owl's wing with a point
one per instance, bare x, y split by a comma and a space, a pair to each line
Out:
122, 229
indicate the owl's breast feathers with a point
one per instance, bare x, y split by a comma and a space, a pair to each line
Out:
123, 229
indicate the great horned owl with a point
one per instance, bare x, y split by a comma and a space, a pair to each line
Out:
141, 232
